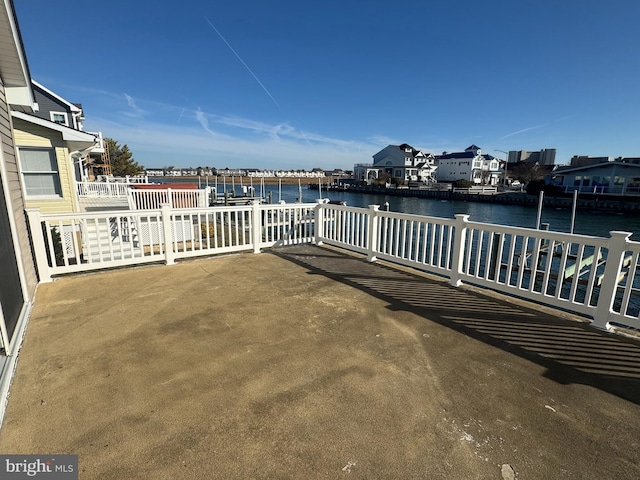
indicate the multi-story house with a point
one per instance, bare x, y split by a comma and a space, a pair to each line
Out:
53, 151
398, 161
18, 278
56, 109
471, 165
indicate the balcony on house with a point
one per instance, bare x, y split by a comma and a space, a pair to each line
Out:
324, 338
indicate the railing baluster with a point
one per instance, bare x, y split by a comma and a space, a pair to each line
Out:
633, 263
576, 274
458, 249
522, 261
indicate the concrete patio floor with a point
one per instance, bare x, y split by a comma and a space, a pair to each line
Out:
304, 362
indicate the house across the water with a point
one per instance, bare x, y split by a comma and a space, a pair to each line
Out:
471, 165
608, 178
398, 161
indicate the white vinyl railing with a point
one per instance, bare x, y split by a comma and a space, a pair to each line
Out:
102, 189
152, 199
476, 190
76, 242
592, 276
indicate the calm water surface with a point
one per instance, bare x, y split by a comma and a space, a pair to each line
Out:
587, 222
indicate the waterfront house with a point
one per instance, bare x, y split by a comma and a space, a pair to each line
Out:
583, 160
471, 165
609, 177
398, 161
50, 155
53, 108
18, 280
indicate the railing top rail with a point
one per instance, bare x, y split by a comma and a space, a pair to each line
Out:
101, 214
230, 208
384, 213
564, 236
155, 190
418, 218
288, 205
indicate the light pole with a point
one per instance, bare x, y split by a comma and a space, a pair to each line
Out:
506, 161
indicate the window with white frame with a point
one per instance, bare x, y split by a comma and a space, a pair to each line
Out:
60, 118
40, 172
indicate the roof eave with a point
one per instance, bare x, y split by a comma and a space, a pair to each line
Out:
68, 134
72, 107
18, 88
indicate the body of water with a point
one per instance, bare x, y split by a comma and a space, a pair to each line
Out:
587, 222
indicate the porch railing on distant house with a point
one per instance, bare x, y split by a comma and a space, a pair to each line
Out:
111, 187
103, 189
476, 190
616, 190
592, 276
151, 199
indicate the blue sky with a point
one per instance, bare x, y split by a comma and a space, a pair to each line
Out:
290, 84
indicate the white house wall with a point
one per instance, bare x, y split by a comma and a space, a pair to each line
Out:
452, 170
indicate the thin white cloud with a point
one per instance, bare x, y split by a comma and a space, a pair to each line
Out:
202, 119
135, 110
383, 140
130, 101
199, 137
522, 131
279, 130
209, 139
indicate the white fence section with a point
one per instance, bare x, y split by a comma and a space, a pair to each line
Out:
152, 199
593, 276
76, 242
476, 190
596, 277
102, 189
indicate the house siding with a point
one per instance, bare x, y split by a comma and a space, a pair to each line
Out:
29, 135
48, 104
15, 209
590, 178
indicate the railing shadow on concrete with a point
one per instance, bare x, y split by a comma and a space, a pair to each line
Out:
571, 352
591, 276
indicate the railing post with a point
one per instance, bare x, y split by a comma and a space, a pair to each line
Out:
39, 245
457, 258
372, 232
256, 225
616, 247
318, 215
168, 236
169, 198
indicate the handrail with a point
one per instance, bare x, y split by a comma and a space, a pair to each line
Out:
591, 276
